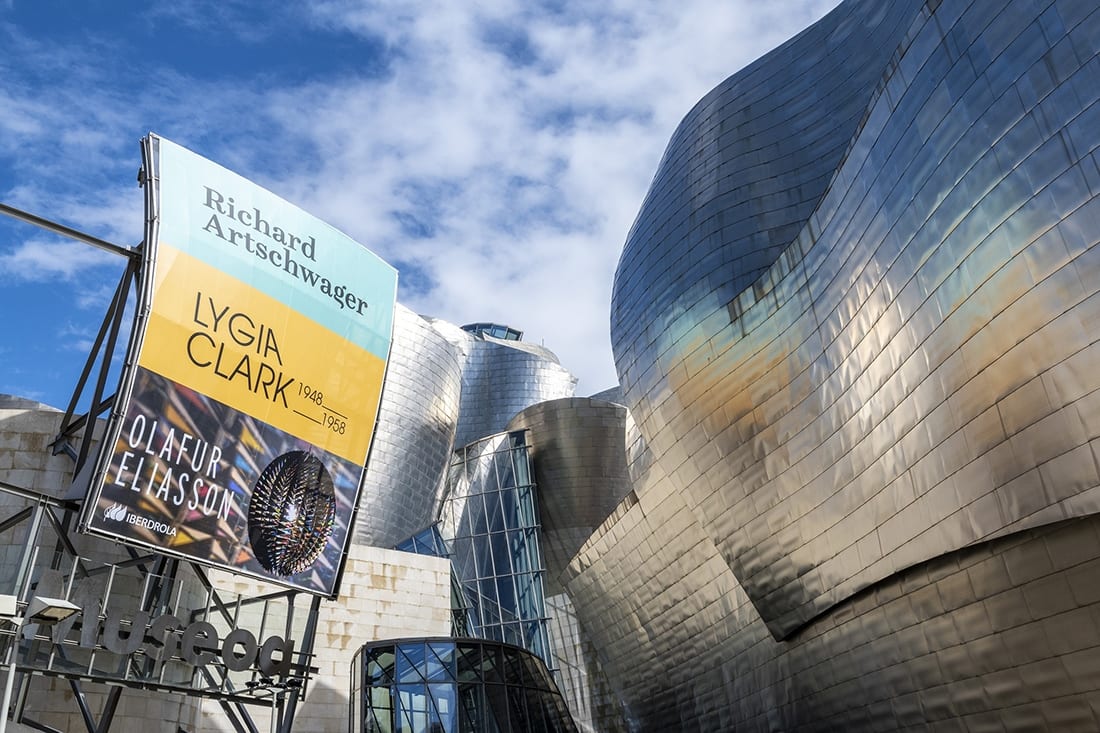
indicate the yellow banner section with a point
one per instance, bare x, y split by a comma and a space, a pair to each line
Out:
221, 337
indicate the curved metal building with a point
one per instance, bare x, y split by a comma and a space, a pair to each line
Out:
851, 477
445, 388
578, 454
417, 419
855, 321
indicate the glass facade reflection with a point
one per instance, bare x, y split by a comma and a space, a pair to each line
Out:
496, 330
454, 686
489, 521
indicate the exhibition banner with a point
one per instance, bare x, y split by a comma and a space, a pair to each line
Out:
255, 383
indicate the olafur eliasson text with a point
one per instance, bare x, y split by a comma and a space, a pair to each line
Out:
173, 466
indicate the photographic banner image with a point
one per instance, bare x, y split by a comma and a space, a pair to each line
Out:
256, 387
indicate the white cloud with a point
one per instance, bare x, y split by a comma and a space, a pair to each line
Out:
76, 338
41, 260
578, 103
500, 149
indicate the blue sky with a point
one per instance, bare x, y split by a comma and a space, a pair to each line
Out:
495, 152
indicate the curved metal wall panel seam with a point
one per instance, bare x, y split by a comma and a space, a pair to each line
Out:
1000, 636
443, 386
948, 351
578, 452
499, 380
848, 415
414, 436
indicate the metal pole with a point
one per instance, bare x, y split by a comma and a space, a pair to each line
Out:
275, 709
65, 231
10, 682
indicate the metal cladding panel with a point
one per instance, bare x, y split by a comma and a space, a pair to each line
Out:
578, 451
911, 368
500, 378
1001, 636
415, 435
584, 686
445, 388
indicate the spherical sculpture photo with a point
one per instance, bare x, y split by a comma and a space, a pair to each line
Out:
291, 513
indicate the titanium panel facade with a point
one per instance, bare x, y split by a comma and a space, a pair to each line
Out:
579, 458
415, 434
502, 377
1001, 636
445, 388
578, 454
911, 367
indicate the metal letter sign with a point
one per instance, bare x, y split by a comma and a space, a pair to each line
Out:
247, 415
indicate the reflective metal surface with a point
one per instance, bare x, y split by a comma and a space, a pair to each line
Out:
500, 377
579, 673
578, 454
415, 433
855, 323
856, 317
1002, 636
445, 388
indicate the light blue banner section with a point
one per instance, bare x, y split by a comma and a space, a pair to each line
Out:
257, 237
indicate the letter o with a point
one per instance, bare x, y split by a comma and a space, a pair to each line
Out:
232, 639
140, 428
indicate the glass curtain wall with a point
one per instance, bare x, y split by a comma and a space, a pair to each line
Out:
489, 522
429, 541
455, 686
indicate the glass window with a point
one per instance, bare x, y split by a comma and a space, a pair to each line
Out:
491, 664
490, 605
440, 662
379, 717
494, 511
413, 709
380, 666
411, 665
496, 708
517, 708
471, 707
502, 553
510, 508
490, 525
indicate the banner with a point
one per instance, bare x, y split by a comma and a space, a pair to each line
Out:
258, 374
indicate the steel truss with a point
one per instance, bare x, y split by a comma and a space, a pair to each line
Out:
41, 654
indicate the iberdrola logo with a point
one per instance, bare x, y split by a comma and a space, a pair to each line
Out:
115, 512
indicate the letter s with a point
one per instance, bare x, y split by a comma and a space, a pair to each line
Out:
161, 642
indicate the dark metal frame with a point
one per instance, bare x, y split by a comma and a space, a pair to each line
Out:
75, 438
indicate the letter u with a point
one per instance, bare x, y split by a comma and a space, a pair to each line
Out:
112, 633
